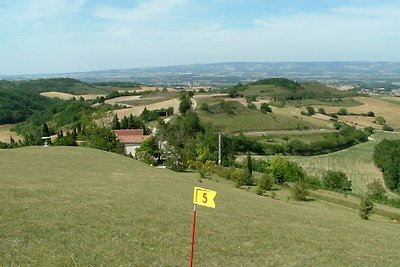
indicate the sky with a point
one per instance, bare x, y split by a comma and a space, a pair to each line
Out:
55, 36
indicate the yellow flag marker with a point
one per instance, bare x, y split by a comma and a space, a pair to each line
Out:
204, 197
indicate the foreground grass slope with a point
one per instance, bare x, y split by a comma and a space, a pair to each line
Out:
75, 206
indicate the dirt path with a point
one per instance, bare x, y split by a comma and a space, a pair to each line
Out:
288, 132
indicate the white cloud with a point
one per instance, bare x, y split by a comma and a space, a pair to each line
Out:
146, 10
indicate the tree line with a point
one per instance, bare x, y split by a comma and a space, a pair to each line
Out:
387, 158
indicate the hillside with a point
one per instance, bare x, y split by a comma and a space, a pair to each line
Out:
282, 89
17, 105
77, 206
63, 85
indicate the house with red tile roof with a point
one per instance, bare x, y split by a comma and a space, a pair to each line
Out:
131, 138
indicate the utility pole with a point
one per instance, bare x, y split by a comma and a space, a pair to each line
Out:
219, 147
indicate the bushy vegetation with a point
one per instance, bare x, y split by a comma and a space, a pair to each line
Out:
366, 208
64, 85
346, 137
387, 158
299, 191
66, 115
336, 181
282, 89
265, 108
16, 105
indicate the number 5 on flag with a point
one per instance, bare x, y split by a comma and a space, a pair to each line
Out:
204, 197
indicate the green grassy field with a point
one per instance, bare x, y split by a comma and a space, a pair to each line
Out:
247, 120
66, 206
345, 102
280, 137
357, 162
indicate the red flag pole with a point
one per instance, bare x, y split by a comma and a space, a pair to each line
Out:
193, 232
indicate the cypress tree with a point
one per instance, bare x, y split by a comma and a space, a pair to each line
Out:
45, 130
115, 123
249, 164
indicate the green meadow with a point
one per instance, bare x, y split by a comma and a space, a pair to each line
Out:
71, 206
356, 162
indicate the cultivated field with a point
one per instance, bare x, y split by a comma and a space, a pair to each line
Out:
356, 162
92, 208
6, 133
65, 96
381, 107
248, 120
137, 110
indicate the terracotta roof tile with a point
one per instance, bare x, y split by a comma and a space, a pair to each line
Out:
130, 136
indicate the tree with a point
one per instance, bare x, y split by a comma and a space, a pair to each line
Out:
190, 93
115, 123
45, 130
342, 111
336, 181
265, 108
387, 128
185, 105
380, 120
249, 164
150, 145
124, 123
366, 208
370, 114
322, 111
310, 110
282, 170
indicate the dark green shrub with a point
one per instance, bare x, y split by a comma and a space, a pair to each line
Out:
387, 128
205, 107
241, 177
322, 111
336, 181
366, 208
342, 111
265, 108
310, 110
370, 114
283, 170
312, 182
369, 130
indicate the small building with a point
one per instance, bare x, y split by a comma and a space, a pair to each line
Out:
132, 139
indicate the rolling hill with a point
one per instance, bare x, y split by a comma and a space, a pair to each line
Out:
77, 206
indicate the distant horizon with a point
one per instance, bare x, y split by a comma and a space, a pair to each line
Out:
193, 64
63, 36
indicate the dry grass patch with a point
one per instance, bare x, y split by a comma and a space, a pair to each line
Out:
360, 121
380, 107
6, 133
65, 96
136, 111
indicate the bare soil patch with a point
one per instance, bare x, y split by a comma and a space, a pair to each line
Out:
5, 133
136, 111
